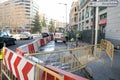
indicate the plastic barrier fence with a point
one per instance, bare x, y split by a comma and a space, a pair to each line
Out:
109, 48
66, 75
16, 66
42, 73
68, 60
33, 46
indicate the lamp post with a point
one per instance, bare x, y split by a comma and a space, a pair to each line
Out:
66, 20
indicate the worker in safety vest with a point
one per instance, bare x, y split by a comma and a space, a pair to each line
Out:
72, 36
66, 36
72, 40
78, 36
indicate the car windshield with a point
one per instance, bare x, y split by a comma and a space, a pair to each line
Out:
26, 33
61, 30
2, 34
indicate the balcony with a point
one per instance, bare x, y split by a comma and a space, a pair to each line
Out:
102, 21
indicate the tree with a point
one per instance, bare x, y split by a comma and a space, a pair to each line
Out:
36, 24
51, 26
44, 22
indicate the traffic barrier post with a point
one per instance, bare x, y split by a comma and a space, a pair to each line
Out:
31, 48
16, 67
42, 42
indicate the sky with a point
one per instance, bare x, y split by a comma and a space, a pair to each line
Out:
54, 10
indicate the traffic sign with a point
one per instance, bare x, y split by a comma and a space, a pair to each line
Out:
103, 3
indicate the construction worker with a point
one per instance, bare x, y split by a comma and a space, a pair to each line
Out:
78, 36
72, 40
66, 36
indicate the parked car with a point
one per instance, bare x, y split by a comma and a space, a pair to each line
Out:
26, 35
45, 35
6, 39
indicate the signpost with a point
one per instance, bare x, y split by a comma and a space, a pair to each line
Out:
98, 4
103, 3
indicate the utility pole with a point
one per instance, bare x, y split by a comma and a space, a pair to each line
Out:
93, 28
66, 21
96, 29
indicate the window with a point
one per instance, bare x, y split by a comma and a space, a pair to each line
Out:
103, 16
83, 15
75, 9
87, 21
79, 16
92, 11
75, 19
87, 12
102, 8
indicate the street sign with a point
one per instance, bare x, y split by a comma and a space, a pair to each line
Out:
103, 3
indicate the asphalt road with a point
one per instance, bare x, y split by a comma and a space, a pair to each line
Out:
20, 42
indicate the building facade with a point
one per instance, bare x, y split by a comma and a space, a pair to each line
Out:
85, 19
112, 30
74, 16
17, 15
108, 23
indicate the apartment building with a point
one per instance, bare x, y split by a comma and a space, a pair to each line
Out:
112, 30
85, 16
74, 16
17, 15
108, 23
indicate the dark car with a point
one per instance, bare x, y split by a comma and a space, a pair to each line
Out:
6, 39
45, 35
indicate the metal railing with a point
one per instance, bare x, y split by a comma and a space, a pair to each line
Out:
109, 48
69, 60
41, 73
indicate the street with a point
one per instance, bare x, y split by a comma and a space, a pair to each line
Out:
101, 66
20, 42
100, 69
89, 31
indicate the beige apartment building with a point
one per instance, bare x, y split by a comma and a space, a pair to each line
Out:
74, 16
17, 15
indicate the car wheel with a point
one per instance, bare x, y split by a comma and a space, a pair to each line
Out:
55, 40
13, 42
4, 44
64, 41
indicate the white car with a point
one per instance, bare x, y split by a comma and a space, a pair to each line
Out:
59, 36
26, 35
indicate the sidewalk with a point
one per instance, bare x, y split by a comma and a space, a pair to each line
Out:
102, 69
80, 43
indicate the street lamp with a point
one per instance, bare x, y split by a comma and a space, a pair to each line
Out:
66, 21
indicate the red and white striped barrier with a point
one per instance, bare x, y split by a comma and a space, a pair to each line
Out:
45, 41
20, 67
33, 47
36, 45
42, 42
67, 75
